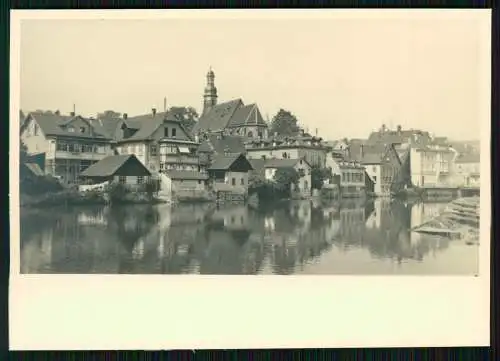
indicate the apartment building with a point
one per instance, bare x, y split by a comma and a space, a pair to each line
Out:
66, 145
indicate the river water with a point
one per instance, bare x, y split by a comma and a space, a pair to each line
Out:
303, 237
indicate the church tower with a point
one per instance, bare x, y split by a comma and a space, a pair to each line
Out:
210, 94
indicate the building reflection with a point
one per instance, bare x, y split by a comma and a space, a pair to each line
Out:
207, 239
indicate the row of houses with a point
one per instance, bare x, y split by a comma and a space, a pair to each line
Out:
399, 159
229, 142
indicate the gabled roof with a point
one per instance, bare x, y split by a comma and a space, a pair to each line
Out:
222, 144
107, 125
414, 136
367, 154
282, 163
218, 117
225, 161
147, 125
246, 115
469, 158
108, 166
185, 174
51, 124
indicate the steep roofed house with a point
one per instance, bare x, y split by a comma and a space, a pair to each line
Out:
381, 163
229, 173
124, 169
159, 141
232, 117
67, 144
214, 144
303, 146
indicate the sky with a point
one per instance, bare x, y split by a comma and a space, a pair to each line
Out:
343, 75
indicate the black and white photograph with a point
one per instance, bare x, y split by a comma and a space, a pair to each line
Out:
249, 157
253, 145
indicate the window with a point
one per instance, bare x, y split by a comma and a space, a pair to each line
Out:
375, 178
62, 146
300, 161
82, 129
153, 150
140, 149
242, 181
260, 134
250, 134
165, 132
122, 179
140, 180
285, 155
199, 181
174, 132
71, 129
374, 168
263, 157
233, 181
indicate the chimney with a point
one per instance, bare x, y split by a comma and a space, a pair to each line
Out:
125, 115
153, 111
72, 114
362, 150
399, 129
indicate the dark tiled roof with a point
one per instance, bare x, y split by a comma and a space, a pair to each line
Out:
107, 126
147, 124
391, 137
257, 164
51, 125
248, 114
218, 117
367, 154
469, 158
108, 166
185, 174
223, 144
225, 161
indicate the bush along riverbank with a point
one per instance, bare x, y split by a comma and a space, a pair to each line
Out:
113, 194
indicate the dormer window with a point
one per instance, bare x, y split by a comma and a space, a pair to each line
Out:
71, 129
165, 132
174, 132
82, 129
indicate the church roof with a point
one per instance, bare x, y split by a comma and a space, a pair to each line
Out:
230, 114
218, 117
246, 115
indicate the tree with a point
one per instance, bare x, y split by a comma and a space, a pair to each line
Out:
284, 178
188, 116
318, 176
109, 114
284, 123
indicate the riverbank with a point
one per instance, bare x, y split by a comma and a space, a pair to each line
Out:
75, 198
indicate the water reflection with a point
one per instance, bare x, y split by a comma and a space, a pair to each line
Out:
292, 237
